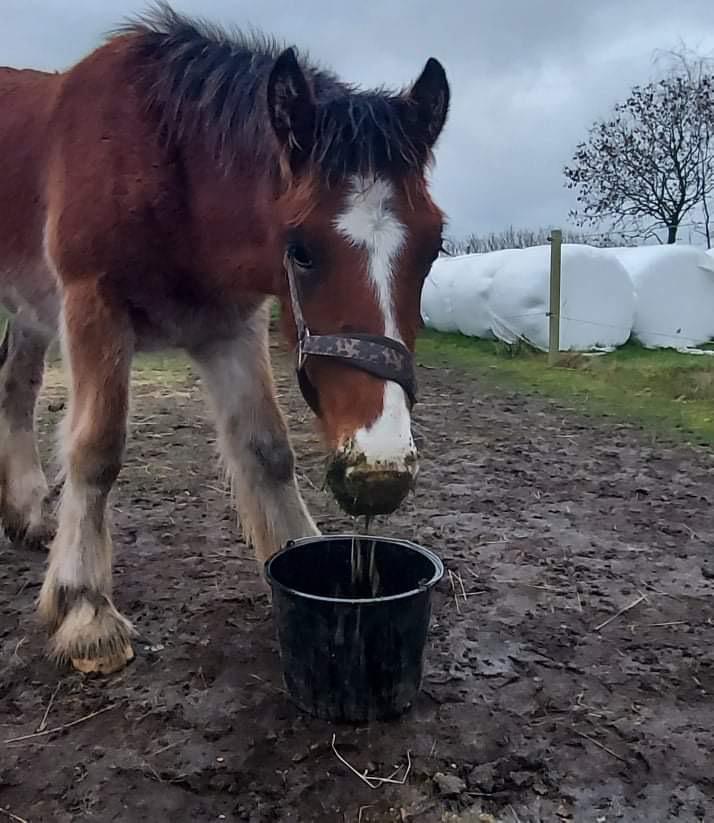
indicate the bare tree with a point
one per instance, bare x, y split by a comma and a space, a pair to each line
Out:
698, 70
652, 163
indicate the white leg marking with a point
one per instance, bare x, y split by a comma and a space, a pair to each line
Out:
92, 633
25, 486
369, 223
81, 555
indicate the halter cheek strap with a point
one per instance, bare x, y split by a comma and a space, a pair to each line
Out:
378, 355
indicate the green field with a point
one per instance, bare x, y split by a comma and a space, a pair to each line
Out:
665, 391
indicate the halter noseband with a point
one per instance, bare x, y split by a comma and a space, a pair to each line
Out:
375, 354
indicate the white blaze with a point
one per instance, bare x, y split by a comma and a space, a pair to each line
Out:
369, 223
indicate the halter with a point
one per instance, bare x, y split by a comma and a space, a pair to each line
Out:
375, 354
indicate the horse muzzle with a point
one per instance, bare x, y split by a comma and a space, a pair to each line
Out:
369, 489
374, 470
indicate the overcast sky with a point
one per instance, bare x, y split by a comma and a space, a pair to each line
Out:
528, 76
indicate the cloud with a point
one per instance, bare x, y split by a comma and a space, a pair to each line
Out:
528, 76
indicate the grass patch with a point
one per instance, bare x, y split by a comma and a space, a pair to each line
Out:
164, 368
160, 369
661, 389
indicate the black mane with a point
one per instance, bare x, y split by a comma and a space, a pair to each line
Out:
206, 80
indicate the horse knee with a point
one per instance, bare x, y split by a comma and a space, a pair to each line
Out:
97, 463
274, 455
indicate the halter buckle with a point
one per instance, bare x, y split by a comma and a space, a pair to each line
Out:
301, 354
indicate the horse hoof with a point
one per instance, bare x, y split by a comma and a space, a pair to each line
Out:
36, 539
104, 665
23, 535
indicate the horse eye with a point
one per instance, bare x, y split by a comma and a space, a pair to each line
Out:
301, 256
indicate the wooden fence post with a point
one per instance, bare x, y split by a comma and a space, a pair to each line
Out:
556, 239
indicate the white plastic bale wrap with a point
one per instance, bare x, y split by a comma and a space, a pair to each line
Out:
596, 298
674, 294
436, 300
471, 292
455, 294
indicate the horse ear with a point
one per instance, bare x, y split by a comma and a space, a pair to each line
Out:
429, 97
291, 105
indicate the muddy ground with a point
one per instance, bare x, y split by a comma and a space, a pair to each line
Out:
529, 712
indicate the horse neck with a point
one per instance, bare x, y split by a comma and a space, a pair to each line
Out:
235, 221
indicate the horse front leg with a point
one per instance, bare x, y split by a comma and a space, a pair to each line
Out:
253, 438
23, 486
75, 601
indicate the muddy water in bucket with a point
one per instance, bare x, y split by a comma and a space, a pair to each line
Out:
352, 615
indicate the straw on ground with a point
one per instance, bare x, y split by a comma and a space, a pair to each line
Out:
61, 728
373, 781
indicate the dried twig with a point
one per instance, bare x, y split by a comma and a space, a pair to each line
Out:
15, 654
169, 746
361, 812
43, 723
514, 813
663, 625
372, 781
622, 611
692, 534
303, 477
600, 745
461, 583
13, 816
453, 589
153, 771
216, 489
540, 587
60, 728
659, 591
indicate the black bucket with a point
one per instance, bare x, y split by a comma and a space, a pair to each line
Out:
352, 645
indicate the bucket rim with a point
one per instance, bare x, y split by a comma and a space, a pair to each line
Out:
351, 601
